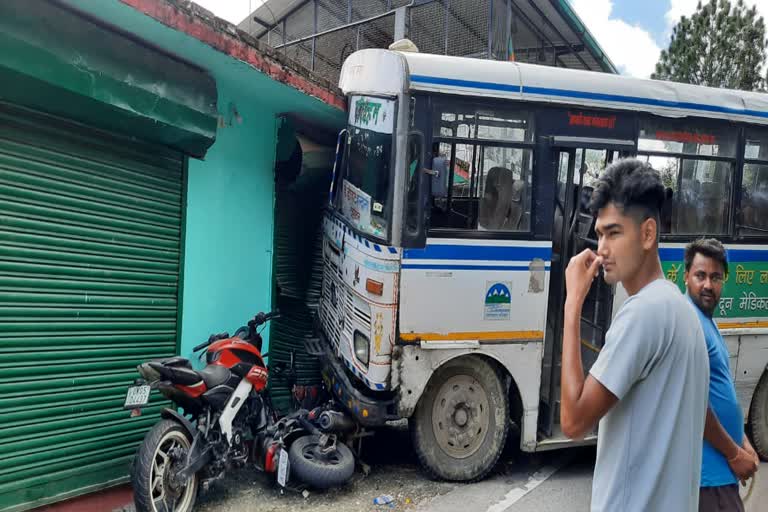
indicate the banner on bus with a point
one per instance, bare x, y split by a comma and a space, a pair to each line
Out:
745, 290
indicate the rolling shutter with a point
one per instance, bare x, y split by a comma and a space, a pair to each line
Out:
90, 245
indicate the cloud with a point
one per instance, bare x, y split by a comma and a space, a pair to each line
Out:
630, 47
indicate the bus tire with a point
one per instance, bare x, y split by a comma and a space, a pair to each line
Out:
460, 426
758, 418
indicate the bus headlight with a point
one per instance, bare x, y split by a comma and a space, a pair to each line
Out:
362, 347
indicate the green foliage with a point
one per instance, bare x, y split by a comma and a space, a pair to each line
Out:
722, 44
669, 175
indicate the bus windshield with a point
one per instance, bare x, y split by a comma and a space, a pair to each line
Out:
365, 189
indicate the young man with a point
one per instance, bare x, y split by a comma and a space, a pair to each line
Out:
728, 457
648, 387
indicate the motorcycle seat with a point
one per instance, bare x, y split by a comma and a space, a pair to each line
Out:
214, 375
176, 361
176, 374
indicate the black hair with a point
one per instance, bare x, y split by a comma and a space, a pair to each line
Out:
709, 247
634, 187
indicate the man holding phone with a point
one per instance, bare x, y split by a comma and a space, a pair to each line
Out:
648, 387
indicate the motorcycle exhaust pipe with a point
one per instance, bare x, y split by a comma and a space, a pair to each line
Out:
334, 421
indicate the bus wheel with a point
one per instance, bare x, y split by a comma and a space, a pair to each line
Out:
758, 418
460, 425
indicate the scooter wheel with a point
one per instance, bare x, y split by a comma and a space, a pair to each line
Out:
317, 469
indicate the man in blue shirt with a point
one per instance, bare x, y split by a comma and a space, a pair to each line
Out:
727, 456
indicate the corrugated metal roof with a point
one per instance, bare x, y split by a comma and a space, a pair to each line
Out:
270, 13
545, 31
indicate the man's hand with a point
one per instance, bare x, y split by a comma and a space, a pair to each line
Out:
750, 450
583, 402
581, 271
743, 465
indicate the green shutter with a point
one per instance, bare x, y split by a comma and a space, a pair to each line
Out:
90, 230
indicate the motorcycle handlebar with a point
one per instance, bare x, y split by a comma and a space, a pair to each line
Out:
258, 320
201, 346
263, 318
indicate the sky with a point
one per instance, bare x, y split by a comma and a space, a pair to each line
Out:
234, 11
632, 32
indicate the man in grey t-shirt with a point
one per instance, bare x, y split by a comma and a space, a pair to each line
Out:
649, 385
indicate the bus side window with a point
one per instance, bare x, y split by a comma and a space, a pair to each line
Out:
487, 152
753, 218
488, 188
668, 209
440, 163
505, 199
697, 186
754, 200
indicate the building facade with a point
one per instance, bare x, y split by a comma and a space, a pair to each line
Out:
137, 193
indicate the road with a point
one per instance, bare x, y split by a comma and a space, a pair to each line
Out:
568, 487
521, 483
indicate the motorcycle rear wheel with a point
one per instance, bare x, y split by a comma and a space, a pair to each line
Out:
153, 488
317, 469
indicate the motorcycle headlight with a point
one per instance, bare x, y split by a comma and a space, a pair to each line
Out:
362, 347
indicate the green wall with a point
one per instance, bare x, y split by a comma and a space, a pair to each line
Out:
230, 195
229, 226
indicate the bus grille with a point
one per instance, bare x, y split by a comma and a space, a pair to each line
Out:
332, 304
341, 311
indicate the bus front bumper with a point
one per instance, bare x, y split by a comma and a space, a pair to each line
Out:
367, 410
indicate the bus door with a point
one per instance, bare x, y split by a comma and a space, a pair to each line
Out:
577, 164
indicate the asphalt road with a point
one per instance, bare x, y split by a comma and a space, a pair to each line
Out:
554, 481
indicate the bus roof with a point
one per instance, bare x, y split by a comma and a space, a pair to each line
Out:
376, 71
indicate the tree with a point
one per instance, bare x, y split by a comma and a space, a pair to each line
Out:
668, 174
722, 44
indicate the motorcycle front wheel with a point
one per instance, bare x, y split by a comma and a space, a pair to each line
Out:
160, 456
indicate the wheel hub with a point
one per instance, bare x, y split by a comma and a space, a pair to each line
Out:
174, 484
167, 492
313, 452
460, 416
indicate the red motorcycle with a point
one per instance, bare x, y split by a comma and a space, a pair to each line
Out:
227, 422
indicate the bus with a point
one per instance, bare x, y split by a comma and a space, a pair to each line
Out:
459, 194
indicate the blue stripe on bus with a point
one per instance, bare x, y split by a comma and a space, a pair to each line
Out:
465, 83
518, 268
668, 254
637, 100
641, 101
734, 255
479, 252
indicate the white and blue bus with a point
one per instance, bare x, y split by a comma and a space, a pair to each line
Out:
459, 196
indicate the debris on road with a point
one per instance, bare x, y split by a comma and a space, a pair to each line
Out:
384, 499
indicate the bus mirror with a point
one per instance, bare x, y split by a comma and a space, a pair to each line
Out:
341, 145
417, 198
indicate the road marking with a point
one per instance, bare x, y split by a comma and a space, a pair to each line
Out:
538, 478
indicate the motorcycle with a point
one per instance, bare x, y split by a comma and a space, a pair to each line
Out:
228, 422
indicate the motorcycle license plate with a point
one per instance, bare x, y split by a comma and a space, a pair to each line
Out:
282, 468
137, 396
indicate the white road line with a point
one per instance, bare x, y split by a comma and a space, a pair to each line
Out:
538, 478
